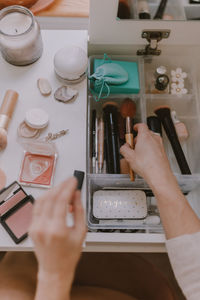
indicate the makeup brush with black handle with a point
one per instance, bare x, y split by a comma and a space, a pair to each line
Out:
154, 124
110, 110
161, 10
164, 114
128, 111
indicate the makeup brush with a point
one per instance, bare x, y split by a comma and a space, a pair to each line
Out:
154, 125
93, 137
100, 156
124, 11
110, 110
6, 112
128, 111
161, 9
164, 114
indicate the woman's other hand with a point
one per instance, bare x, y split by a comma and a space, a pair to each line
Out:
58, 247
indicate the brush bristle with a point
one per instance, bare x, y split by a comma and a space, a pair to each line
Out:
128, 108
161, 107
162, 110
110, 103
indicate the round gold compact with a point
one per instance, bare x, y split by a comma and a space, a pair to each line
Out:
27, 132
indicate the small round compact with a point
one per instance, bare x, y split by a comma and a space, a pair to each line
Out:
35, 120
70, 64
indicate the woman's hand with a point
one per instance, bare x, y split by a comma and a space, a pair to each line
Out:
148, 159
58, 247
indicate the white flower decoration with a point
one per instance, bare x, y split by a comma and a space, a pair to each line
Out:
178, 75
178, 89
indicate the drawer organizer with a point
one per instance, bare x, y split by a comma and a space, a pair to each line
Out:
178, 10
187, 108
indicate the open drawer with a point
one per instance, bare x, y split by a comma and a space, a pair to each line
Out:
187, 108
121, 40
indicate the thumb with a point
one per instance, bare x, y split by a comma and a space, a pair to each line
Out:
127, 152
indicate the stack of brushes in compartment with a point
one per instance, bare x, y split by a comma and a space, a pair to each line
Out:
111, 130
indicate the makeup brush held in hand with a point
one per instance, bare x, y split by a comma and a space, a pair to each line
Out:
128, 111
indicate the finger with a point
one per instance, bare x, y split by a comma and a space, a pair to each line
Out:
70, 208
135, 141
141, 128
79, 216
44, 204
63, 200
127, 152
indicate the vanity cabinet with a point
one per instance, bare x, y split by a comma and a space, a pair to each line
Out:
119, 39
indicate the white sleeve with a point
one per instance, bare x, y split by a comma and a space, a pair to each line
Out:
184, 255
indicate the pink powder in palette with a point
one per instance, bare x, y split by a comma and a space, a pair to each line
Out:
8, 204
19, 222
16, 211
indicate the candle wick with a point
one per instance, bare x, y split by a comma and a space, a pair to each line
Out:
16, 30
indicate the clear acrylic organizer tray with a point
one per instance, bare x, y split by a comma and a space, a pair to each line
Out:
187, 108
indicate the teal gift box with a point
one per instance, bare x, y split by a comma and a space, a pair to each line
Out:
132, 86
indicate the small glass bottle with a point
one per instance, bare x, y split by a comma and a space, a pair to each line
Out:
160, 81
20, 37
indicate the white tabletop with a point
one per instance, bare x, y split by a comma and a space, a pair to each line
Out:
72, 147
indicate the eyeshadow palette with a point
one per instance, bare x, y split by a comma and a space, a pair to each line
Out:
16, 211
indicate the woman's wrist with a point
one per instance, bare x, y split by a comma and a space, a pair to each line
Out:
59, 277
61, 284
163, 183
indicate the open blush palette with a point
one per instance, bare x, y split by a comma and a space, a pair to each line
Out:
16, 209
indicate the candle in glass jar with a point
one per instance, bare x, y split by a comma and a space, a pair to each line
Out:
15, 23
20, 38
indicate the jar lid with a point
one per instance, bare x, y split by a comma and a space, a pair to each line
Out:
161, 70
70, 62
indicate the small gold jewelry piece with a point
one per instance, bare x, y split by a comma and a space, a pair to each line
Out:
53, 136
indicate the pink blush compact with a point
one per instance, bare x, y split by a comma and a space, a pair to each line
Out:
16, 209
37, 169
19, 222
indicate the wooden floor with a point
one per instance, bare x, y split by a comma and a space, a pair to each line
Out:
122, 271
67, 8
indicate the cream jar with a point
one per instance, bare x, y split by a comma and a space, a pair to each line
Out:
70, 64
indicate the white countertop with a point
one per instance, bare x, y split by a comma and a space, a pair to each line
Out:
72, 147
